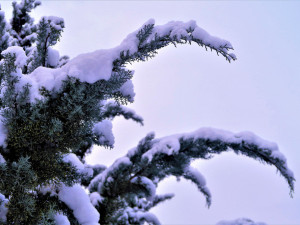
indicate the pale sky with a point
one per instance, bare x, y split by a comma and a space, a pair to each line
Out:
186, 88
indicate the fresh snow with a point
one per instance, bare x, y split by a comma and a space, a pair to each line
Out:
102, 177
124, 109
54, 21
52, 57
170, 144
76, 199
61, 219
140, 216
198, 176
3, 209
200, 181
103, 130
95, 198
179, 29
21, 58
246, 136
127, 90
148, 184
49, 188
97, 65
2, 160
73, 159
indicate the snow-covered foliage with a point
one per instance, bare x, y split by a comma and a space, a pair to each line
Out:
53, 110
22, 24
61, 219
133, 178
103, 130
109, 63
48, 34
18, 53
3, 208
76, 199
52, 57
112, 109
5, 37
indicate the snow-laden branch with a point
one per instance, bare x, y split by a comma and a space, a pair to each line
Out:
197, 178
76, 199
207, 141
103, 131
106, 64
112, 109
139, 172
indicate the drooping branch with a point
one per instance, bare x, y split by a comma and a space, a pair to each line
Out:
113, 109
134, 177
106, 67
151, 38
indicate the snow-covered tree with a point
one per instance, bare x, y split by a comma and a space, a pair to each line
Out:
54, 110
22, 24
4, 35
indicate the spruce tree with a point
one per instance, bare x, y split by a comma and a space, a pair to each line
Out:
54, 110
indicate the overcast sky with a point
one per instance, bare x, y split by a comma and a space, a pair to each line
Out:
185, 88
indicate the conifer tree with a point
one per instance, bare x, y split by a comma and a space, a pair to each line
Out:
23, 27
54, 110
5, 36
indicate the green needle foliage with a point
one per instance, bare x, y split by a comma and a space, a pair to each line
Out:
45, 133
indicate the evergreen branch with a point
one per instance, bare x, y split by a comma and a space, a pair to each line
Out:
150, 40
155, 159
113, 109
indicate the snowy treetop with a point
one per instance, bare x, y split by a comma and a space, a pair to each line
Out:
55, 22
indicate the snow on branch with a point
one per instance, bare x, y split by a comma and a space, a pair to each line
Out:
138, 46
152, 38
113, 109
61, 219
76, 199
103, 131
155, 159
139, 217
147, 184
18, 53
158, 199
207, 141
197, 178
3, 208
